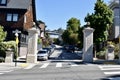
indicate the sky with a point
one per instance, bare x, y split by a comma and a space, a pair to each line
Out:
56, 13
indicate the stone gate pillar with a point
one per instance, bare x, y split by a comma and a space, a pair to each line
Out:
88, 44
32, 46
9, 56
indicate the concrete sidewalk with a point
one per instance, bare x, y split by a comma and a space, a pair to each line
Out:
103, 61
18, 65
100, 61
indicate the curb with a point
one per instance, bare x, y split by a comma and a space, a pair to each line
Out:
114, 62
24, 65
27, 65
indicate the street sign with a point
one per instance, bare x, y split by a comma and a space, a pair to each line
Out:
16, 31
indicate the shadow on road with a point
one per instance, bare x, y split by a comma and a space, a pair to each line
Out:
75, 57
112, 77
65, 56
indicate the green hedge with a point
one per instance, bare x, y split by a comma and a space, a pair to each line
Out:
5, 45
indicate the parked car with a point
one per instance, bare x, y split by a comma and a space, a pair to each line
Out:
48, 50
42, 55
69, 48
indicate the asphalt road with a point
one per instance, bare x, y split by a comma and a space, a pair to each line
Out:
67, 72
64, 66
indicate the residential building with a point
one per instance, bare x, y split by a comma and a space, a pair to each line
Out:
17, 14
114, 32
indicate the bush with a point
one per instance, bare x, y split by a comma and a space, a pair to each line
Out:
101, 54
5, 45
39, 41
2, 59
2, 34
56, 41
116, 48
2, 50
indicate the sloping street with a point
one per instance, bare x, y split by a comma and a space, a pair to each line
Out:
61, 68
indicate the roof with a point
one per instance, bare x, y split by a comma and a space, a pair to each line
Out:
17, 4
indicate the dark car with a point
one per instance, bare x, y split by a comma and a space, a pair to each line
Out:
69, 48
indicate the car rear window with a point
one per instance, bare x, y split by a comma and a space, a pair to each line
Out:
42, 52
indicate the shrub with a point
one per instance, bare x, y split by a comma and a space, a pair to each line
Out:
116, 48
101, 54
39, 41
2, 59
2, 50
2, 34
5, 45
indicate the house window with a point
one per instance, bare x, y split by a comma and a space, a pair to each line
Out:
9, 17
3, 2
15, 17
12, 17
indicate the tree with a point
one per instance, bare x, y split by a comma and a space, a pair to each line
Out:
73, 24
2, 38
70, 35
2, 34
65, 36
101, 20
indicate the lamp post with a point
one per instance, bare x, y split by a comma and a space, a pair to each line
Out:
17, 41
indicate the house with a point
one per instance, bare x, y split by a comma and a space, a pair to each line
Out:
17, 15
114, 32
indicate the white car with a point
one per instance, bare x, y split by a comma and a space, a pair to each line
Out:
42, 55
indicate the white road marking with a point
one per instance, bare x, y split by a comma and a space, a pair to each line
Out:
74, 65
113, 73
44, 65
108, 66
59, 65
1, 73
108, 69
6, 71
116, 78
31, 66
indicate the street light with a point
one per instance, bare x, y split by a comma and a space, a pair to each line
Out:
17, 41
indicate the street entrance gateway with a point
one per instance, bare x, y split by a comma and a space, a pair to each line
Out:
88, 44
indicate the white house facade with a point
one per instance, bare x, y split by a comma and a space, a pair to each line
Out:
114, 32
